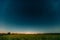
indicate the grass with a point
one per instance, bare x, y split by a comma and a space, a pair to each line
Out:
30, 37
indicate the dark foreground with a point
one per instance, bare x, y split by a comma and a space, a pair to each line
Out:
30, 37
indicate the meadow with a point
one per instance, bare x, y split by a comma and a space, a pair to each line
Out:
30, 37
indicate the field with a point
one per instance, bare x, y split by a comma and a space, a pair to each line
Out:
30, 37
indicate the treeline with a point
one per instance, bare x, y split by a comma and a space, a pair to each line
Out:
50, 33
9, 33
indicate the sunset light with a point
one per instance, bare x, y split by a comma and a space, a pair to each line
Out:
29, 33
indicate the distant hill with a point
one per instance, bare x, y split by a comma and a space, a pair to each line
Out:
30, 33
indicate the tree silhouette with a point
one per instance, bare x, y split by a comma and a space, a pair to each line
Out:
9, 33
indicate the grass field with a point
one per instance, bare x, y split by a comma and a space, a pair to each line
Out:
30, 37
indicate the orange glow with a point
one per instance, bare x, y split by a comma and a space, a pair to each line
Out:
30, 33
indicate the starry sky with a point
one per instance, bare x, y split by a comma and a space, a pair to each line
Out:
30, 16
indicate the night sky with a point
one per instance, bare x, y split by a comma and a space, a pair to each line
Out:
30, 16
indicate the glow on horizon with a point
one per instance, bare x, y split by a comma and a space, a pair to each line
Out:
28, 32
13, 29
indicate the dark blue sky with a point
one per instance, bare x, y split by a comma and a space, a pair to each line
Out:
30, 15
